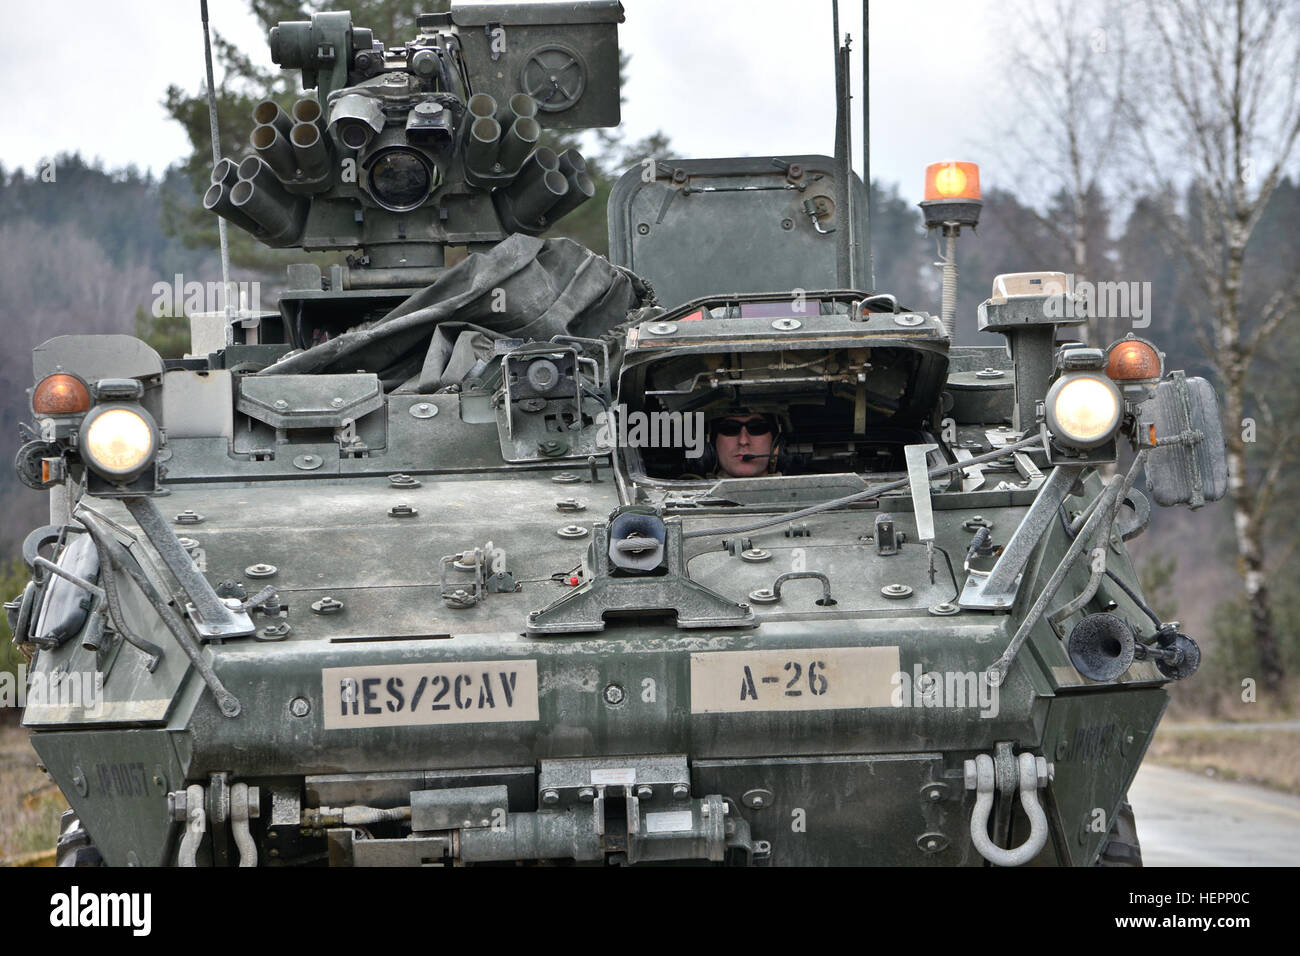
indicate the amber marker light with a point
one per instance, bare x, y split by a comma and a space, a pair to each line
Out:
60, 394
952, 200
952, 180
1133, 360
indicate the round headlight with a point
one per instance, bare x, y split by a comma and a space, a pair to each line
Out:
118, 441
400, 179
1083, 411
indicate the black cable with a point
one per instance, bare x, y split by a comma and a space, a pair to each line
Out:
152, 651
299, 334
1065, 521
1065, 524
444, 74
1135, 599
113, 598
951, 573
455, 51
592, 393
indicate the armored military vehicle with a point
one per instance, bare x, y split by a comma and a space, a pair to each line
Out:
438, 563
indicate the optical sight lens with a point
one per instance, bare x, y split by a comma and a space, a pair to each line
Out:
399, 180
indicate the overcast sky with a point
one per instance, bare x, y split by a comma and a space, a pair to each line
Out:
721, 77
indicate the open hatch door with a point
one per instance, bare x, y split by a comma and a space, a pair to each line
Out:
699, 227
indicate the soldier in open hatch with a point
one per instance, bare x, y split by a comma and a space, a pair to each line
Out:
744, 443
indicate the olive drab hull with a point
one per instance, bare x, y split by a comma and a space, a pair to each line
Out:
875, 776
442, 563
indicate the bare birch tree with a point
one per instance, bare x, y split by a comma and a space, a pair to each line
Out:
1068, 65
1217, 122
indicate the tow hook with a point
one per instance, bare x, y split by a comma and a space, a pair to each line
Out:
187, 807
237, 806
1035, 773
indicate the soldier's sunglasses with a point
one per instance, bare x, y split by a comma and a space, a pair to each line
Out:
730, 428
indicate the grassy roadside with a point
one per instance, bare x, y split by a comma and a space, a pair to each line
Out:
30, 804
1269, 757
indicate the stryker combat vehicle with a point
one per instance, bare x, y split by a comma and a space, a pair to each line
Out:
439, 563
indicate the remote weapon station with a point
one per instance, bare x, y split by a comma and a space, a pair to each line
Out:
452, 558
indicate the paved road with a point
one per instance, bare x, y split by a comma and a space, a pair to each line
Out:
1188, 819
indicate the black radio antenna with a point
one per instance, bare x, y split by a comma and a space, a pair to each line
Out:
216, 160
